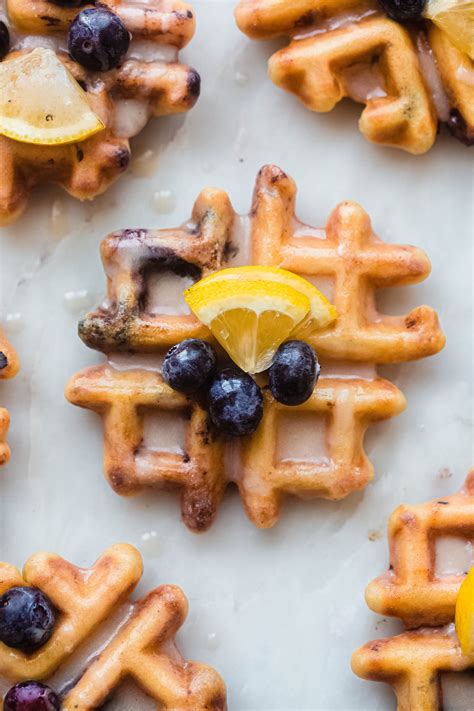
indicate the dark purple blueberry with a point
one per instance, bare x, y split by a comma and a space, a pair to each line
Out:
27, 618
189, 365
403, 10
31, 696
459, 128
4, 40
3, 361
68, 3
293, 373
235, 402
98, 39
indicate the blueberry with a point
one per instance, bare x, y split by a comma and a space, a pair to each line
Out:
98, 39
31, 696
459, 128
4, 40
235, 402
68, 3
403, 10
27, 618
293, 373
189, 365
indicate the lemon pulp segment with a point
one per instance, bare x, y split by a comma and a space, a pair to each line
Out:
249, 318
456, 18
42, 103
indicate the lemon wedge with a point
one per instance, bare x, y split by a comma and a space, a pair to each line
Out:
456, 18
252, 310
464, 619
249, 318
42, 103
321, 314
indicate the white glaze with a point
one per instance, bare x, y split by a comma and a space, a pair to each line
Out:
302, 438
454, 556
432, 77
364, 82
165, 293
164, 431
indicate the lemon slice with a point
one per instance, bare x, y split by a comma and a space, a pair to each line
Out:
456, 18
42, 103
321, 314
464, 619
249, 317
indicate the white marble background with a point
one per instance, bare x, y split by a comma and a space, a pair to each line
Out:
277, 612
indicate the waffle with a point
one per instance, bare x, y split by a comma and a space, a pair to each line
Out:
141, 648
151, 79
346, 400
412, 590
9, 366
408, 79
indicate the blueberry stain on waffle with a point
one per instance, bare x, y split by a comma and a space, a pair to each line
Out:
409, 61
327, 377
122, 67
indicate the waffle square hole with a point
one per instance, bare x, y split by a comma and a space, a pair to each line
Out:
457, 690
454, 555
164, 431
164, 294
325, 284
302, 437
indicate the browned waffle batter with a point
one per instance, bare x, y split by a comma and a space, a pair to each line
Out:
9, 366
142, 647
150, 82
413, 590
348, 398
408, 78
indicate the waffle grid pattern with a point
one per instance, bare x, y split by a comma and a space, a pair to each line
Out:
413, 661
359, 263
162, 87
141, 649
329, 37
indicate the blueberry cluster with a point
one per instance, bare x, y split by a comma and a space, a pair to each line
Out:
27, 620
234, 399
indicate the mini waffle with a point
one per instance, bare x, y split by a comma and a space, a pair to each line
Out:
345, 404
413, 661
141, 649
408, 78
9, 366
150, 81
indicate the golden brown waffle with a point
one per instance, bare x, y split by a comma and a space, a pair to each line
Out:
407, 78
141, 648
9, 366
345, 404
412, 590
161, 85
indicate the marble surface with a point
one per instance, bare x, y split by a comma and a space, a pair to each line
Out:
277, 612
